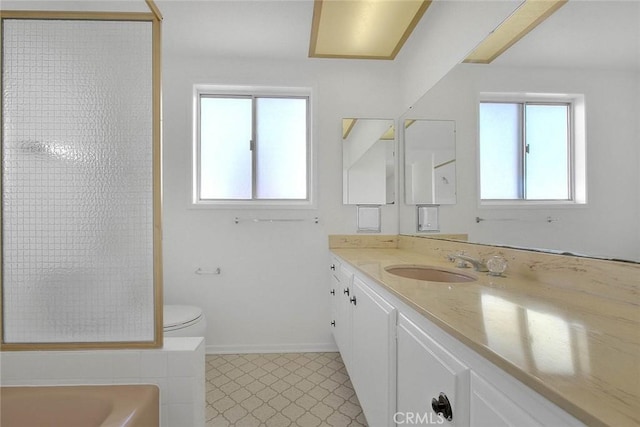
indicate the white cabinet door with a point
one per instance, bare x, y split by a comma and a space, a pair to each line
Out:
492, 408
426, 369
373, 357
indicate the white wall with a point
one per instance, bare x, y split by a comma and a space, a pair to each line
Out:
608, 224
272, 294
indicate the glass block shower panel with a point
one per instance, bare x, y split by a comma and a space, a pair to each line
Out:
77, 214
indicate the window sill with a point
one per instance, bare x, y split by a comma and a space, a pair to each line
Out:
530, 204
253, 204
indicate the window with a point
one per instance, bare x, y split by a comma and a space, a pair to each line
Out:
526, 151
252, 147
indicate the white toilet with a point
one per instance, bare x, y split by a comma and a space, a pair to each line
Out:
184, 321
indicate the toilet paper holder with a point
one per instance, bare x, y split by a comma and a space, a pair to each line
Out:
202, 272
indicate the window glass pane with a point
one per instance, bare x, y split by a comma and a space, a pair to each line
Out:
547, 166
500, 148
225, 157
281, 128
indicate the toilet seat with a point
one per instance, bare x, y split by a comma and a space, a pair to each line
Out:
177, 317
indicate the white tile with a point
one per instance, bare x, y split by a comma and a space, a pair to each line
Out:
153, 364
199, 391
199, 402
183, 364
125, 364
57, 366
182, 343
86, 364
130, 380
162, 384
96, 381
181, 415
199, 416
20, 365
164, 416
180, 390
71, 381
17, 382
200, 362
52, 382
201, 346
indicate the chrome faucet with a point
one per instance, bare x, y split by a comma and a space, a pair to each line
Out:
478, 264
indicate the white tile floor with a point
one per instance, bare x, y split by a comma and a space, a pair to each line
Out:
291, 389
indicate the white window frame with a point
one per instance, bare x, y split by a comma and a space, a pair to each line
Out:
200, 90
577, 148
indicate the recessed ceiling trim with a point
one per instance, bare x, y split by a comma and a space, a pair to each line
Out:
389, 135
347, 127
412, 25
363, 29
315, 24
527, 17
409, 122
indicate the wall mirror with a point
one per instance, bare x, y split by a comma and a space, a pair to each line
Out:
368, 165
429, 162
561, 56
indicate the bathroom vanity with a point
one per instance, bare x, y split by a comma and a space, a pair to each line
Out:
514, 350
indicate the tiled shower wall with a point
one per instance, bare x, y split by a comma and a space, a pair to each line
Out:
177, 369
77, 181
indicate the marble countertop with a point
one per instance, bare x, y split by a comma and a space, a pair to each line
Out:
579, 350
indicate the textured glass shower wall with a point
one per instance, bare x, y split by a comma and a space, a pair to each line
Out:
77, 197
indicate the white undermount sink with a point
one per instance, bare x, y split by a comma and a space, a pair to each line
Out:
428, 273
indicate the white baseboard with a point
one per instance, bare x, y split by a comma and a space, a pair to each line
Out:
272, 348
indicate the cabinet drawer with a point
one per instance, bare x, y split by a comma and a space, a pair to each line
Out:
492, 408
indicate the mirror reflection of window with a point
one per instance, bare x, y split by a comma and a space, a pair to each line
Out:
542, 341
368, 150
503, 326
551, 343
524, 151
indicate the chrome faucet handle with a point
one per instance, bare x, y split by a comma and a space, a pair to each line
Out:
481, 266
462, 263
496, 265
454, 256
461, 258
478, 264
